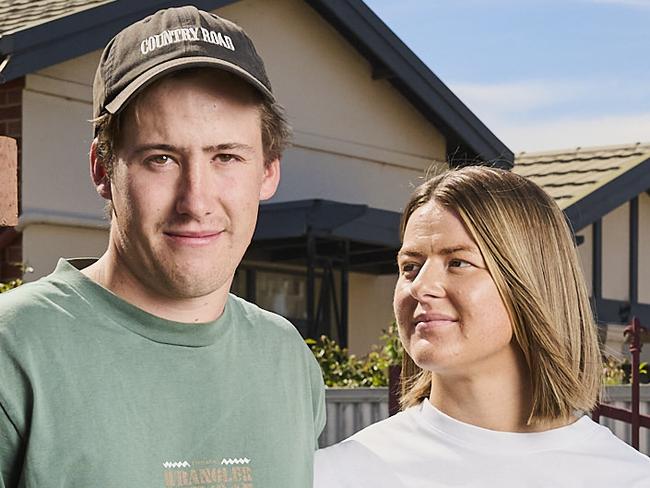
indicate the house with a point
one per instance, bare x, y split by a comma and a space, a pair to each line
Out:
605, 194
369, 118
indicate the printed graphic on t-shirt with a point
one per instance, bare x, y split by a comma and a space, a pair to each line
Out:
232, 472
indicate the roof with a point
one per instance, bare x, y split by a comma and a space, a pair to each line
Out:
17, 15
35, 34
588, 183
369, 236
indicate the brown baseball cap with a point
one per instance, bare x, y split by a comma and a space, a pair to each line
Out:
169, 40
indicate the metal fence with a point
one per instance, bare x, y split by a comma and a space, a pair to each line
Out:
620, 396
350, 410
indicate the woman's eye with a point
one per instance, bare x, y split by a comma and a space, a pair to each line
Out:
409, 269
458, 263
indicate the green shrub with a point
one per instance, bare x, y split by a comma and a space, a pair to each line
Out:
344, 370
8, 286
392, 348
613, 372
617, 372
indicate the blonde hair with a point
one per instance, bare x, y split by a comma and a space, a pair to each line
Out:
529, 251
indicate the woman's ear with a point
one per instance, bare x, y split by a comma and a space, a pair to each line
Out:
99, 174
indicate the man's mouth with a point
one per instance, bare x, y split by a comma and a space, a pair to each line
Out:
193, 238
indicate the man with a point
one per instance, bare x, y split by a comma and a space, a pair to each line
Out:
140, 369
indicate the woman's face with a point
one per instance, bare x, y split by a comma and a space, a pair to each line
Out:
451, 318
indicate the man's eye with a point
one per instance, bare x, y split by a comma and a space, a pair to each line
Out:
227, 158
159, 160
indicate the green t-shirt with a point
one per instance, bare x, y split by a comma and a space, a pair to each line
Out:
95, 392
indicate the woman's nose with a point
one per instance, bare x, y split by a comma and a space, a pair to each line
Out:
429, 283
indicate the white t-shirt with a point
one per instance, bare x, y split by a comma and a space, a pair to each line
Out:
424, 448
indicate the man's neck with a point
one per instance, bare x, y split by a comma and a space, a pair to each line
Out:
116, 277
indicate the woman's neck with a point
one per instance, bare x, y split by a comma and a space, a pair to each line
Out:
496, 400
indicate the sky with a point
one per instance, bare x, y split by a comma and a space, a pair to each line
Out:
540, 74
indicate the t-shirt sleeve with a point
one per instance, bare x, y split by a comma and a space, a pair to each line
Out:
318, 398
10, 451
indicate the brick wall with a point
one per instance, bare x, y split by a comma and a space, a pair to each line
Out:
11, 110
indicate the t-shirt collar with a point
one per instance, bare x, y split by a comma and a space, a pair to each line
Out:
138, 321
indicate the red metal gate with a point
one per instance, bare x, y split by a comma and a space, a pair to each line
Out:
633, 416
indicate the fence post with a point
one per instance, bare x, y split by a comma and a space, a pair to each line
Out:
8, 182
634, 330
595, 413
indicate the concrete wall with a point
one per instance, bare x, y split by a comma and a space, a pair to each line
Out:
616, 254
371, 310
585, 253
357, 139
60, 208
615, 266
644, 249
43, 245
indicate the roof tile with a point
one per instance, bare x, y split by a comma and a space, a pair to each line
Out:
17, 15
571, 175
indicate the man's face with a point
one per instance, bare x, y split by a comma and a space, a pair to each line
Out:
187, 181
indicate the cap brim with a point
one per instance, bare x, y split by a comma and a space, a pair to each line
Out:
148, 77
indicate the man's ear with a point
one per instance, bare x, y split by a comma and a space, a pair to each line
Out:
98, 173
270, 180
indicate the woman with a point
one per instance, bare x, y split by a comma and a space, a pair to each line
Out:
502, 355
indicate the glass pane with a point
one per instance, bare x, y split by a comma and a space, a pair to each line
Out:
282, 293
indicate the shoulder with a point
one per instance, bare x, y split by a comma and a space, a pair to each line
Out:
363, 460
378, 440
604, 460
280, 335
31, 305
257, 317
387, 434
604, 444
277, 341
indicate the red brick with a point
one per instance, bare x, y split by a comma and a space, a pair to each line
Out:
8, 182
10, 272
14, 254
15, 96
17, 83
13, 112
14, 128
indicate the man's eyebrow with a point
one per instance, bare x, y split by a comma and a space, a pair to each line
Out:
154, 147
228, 146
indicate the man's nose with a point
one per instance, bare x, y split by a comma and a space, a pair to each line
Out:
196, 190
